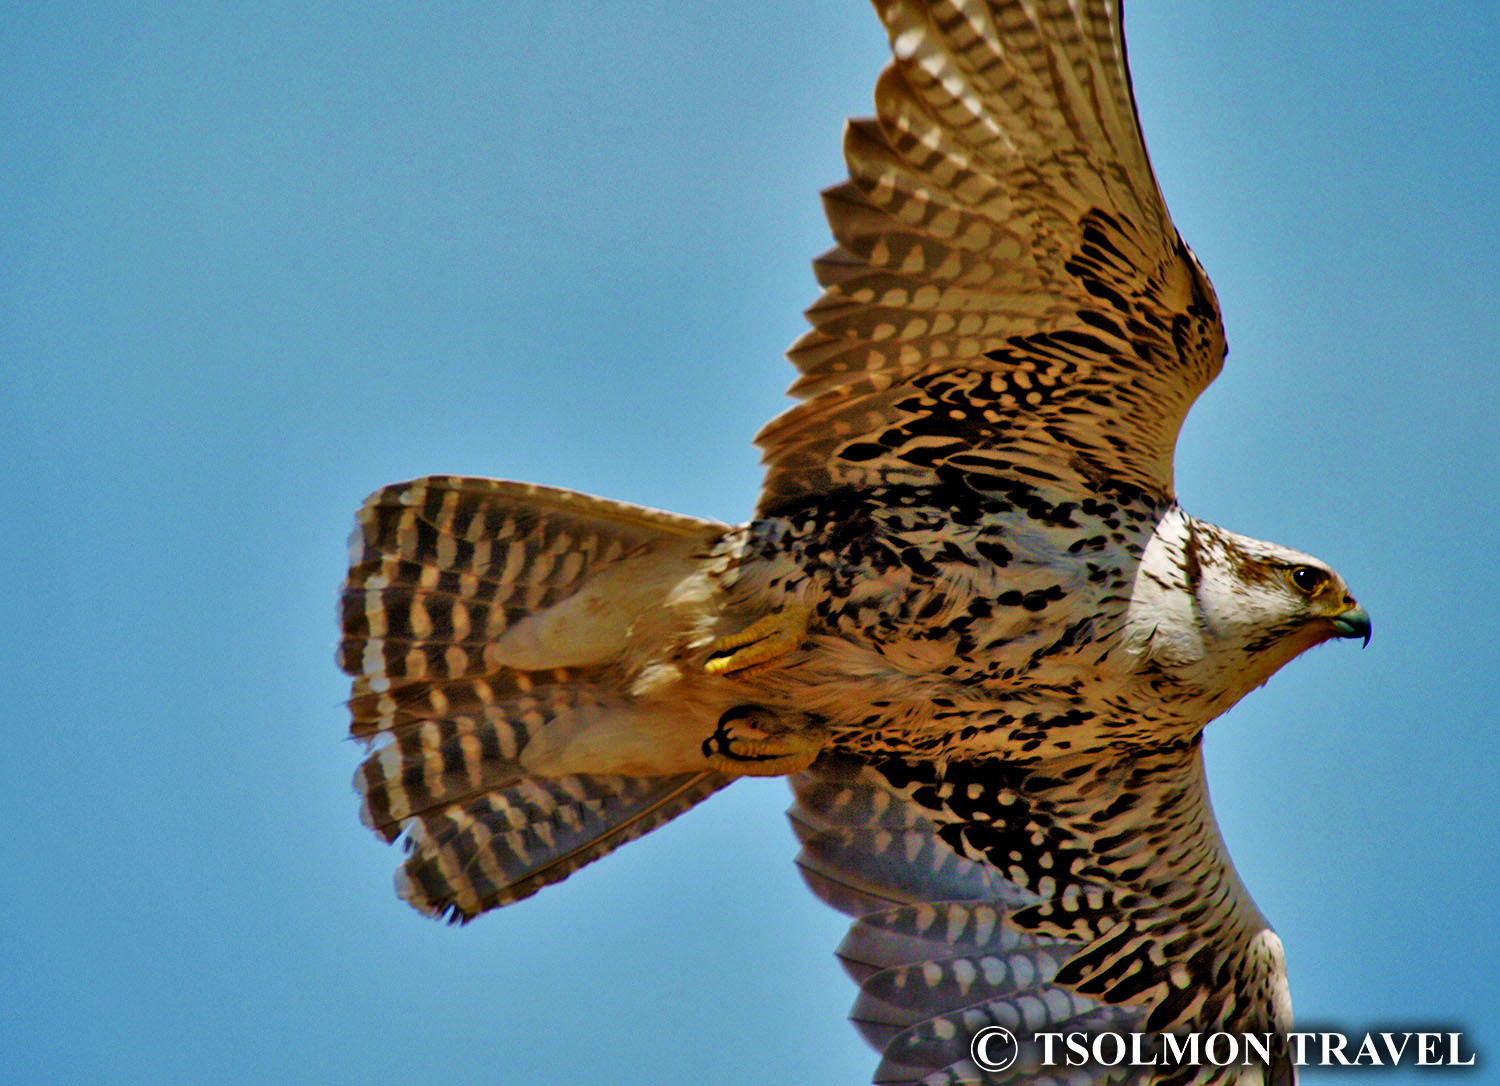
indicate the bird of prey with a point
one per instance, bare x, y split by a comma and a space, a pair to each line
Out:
968, 615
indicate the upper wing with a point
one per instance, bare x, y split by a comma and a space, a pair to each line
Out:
1008, 295
986, 895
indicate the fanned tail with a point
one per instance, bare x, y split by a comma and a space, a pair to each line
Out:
493, 631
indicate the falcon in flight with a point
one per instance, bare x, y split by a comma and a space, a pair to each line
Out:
968, 616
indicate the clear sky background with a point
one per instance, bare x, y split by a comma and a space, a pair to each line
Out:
257, 261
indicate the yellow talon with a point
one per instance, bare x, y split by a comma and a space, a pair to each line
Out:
773, 636
768, 757
765, 756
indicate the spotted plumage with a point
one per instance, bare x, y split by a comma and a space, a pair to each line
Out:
969, 613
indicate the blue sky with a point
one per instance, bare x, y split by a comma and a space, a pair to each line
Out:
256, 262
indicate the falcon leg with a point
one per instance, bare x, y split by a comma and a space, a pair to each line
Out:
729, 750
753, 648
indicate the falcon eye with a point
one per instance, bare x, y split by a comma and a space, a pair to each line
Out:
1308, 579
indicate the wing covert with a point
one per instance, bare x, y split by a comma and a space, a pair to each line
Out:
1008, 294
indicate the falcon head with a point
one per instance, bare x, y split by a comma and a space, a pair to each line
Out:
1220, 613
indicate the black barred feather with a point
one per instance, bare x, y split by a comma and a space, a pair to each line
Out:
1001, 236
444, 575
933, 968
508, 843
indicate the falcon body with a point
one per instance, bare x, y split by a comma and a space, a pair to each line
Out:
968, 614
1017, 622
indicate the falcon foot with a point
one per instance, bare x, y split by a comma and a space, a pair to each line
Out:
730, 750
763, 642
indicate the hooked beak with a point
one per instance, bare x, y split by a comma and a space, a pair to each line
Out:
1353, 623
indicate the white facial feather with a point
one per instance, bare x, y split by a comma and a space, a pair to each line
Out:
1215, 611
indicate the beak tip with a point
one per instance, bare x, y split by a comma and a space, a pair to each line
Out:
1354, 623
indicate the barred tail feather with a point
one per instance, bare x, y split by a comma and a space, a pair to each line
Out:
491, 630
507, 844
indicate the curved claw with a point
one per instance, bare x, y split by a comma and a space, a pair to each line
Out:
756, 646
728, 750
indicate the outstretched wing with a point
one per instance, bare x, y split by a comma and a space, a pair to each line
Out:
1008, 295
990, 896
